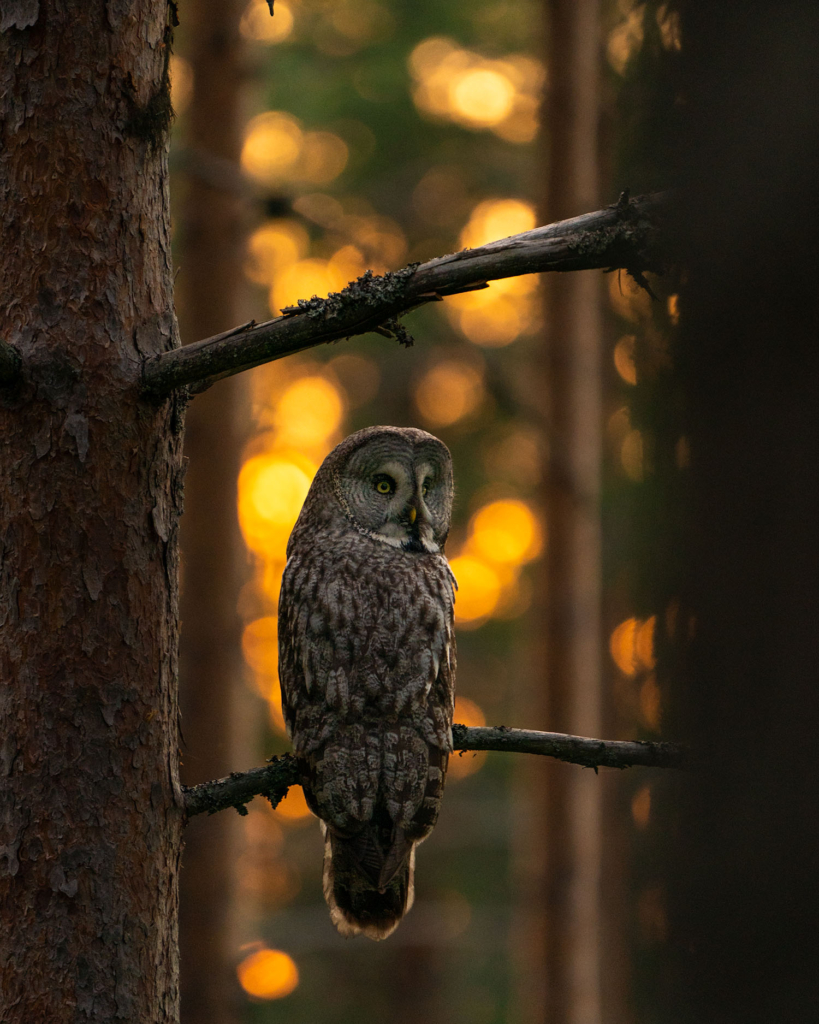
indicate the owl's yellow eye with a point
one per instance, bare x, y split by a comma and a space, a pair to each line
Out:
384, 485
424, 490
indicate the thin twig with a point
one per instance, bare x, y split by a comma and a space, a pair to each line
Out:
275, 778
624, 235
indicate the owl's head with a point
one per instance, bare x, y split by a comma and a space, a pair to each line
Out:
394, 484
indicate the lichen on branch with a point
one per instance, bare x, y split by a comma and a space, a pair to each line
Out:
624, 235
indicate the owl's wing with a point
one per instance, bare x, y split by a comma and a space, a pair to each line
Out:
323, 630
367, 670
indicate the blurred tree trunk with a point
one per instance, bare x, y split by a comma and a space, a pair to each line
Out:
740, 868
209, 290
571, 652
91, 478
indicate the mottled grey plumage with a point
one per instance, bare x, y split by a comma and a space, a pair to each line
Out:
367, 663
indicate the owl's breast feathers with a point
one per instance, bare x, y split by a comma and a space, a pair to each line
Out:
366, 636
367, 669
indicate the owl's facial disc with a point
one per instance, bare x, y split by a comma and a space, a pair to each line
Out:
405, 519
401, 497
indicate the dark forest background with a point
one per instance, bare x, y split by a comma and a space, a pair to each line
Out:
635, 532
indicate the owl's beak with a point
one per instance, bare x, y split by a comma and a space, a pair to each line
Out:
413, 512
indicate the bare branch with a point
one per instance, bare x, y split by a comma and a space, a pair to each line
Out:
275, 778
624, 235
580, 750
10, 364
271, 780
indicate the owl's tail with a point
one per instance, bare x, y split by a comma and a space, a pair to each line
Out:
368, 890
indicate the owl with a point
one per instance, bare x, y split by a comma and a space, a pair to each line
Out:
367, 664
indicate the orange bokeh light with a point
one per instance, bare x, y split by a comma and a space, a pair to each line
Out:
628, 299
496, 315
272, 247
308, 412
644, 643
673, 306
260, 648
618, 425
302, 280
625, 39
448, 392
272, 146
346, 264
274, 707
479, 589
624, 358
523, 123
632, 645
467, 712
670, 28
277, 149
482, 96
621, 647
324, 156
302, 412
260, 645
272, 489
181, 76
268, 974
293, 805
506, 532
494, 326
494, 219
455, 84
650, 703
258, 25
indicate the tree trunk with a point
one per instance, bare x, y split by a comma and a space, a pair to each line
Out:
209, 288
739, 869
90, 808
572, 383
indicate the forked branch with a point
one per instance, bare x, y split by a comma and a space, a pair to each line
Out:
275, 778
625, 236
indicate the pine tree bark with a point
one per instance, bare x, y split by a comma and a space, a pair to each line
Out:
90, 477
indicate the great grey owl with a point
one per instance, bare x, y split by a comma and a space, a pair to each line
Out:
367, 664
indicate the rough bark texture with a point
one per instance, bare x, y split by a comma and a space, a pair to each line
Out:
90, 804
10, 364
208, 287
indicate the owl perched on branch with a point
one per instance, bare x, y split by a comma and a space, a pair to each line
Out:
367, 664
